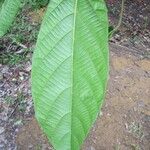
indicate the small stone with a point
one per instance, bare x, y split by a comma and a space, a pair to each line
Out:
18, 122
126, 126
92, 148
5, 69
1, 76
108, 114
30, 146
2, 130
14, 79
28, 69
16, 130
21, 78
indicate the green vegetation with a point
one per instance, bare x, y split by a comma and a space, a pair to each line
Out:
70, 64
17, 43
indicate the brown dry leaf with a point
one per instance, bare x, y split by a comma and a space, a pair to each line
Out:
36, 16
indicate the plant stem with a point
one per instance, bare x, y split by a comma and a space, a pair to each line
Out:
120, 20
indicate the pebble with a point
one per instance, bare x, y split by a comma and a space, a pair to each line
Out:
2, 130
1, 76
92, 148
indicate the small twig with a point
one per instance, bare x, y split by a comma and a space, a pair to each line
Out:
120, 19
21, 45
12, 112
14, 40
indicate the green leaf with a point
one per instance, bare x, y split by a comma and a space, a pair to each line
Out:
7, 14
1, 3
70, 70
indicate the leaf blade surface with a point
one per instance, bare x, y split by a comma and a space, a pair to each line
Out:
70, 69
8, 12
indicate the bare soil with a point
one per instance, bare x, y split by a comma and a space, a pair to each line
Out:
125, 120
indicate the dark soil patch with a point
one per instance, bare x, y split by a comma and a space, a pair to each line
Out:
134, 31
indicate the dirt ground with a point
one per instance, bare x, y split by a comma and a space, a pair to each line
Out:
124, 123
125, 120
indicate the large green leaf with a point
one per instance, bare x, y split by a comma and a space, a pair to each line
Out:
70, 69
7, 14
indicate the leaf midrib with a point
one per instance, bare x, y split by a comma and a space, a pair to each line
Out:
72, 72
